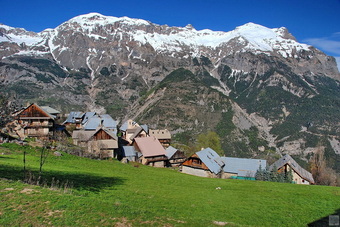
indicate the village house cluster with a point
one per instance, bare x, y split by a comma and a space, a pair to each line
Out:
100, 136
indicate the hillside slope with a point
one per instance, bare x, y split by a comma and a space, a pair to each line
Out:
112, 193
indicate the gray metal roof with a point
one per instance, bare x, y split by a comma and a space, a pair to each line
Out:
108, 122
125, 125
129, 151
170, 151
243, 167
50, 110
93, 123
110, 132
211, 159
104, 120
145, 128
87, 116
287, 159
72, 117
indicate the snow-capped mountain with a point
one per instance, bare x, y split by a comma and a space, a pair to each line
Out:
93, 36
267, 79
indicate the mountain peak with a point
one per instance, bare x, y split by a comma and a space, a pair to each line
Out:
284, 33
189, 26
91, 19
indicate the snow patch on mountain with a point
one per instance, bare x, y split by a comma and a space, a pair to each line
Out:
165, 39
19, 36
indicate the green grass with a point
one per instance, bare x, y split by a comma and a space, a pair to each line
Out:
108, 193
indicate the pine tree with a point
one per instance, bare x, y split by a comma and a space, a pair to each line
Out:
273, 175
289, 176
259, 175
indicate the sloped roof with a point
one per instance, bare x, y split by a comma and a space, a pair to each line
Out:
145, 128
104, 120
170, 151
211, 159
87, 116
82, 135
71, 118
129, 151
93, 123
136, 132
86, 135
150, 146
108, 131
243, 167
126, 125
50, 110
26, 114
287, 159
160, 133
109, 123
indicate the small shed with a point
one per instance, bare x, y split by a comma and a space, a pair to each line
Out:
204, 163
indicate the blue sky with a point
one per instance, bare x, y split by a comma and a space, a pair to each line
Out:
315, 22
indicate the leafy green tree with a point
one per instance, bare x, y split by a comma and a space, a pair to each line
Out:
209, 139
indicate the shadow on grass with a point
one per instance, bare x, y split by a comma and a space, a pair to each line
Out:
330, 220
6, 157
78, 181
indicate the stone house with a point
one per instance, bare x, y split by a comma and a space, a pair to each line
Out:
101, 142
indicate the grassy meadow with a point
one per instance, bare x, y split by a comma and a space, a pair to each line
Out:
109, 193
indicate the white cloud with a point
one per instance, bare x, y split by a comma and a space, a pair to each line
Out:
330, 45
325, 44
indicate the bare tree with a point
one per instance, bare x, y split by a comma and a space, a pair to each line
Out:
321, 172
44, 152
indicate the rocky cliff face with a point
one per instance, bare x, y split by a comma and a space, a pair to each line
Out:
258, 87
